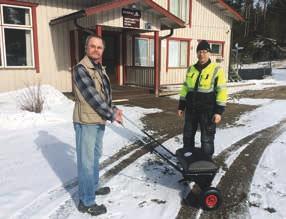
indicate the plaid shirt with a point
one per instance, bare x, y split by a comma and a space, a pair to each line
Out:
86, 87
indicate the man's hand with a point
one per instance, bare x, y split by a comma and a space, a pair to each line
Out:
216, 118
118, 116
180, 113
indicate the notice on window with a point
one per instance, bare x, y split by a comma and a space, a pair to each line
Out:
131, 18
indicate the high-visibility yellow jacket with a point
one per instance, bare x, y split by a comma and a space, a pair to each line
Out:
210, 93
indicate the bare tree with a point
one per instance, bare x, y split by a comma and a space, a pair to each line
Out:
247, 14
265, 4
32, 100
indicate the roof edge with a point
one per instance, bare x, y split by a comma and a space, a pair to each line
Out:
68, 17
117, 4
108, 6
237, 16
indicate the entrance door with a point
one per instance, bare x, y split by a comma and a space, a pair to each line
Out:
111, 55
81, 44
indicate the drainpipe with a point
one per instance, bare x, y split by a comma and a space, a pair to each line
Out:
163, 38
168, 35
160, 40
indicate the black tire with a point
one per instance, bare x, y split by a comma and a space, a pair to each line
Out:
210, 199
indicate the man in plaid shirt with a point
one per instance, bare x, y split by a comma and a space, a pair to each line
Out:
93, 106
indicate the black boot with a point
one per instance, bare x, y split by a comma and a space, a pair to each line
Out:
93, 210
103, 191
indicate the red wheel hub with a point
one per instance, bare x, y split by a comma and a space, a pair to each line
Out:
211, 201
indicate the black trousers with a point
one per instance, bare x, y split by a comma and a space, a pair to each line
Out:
207, 127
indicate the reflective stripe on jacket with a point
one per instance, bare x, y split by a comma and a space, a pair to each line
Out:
211, 80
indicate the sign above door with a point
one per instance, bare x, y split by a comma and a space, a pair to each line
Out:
131, 18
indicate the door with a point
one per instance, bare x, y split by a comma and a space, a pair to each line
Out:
111, 55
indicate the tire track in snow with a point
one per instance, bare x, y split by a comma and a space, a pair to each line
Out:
65, 194
61, 199
235, 184
64, 210
57, 195
263, 137
67, 207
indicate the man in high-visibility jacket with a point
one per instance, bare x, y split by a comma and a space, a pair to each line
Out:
203, 99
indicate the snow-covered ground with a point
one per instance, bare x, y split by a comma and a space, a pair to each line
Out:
278, 78
257, 65
136, 187
38, 150
37, 157
268, 190
266, 64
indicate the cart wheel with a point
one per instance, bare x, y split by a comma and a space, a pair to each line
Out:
210, 199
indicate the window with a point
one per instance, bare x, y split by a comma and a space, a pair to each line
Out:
178, 53
216, 48
180, 8
16, 37
144, 52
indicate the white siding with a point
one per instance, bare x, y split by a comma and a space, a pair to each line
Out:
54, 43
54, 49
208, 23
113, 18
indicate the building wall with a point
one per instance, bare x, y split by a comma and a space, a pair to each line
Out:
208, 23
113, 18
54, 43
54, 47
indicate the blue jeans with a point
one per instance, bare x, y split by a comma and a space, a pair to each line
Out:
89, 149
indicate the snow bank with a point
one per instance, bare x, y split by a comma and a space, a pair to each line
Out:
57, 108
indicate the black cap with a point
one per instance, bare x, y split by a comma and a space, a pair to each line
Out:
203, 45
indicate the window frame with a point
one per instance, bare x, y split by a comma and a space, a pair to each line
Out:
2, 66
16, 6
216, 42
188, 40
221, 44
4, 47
188, 11
32, 27
144, 37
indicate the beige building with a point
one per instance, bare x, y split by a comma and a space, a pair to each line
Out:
148, 43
